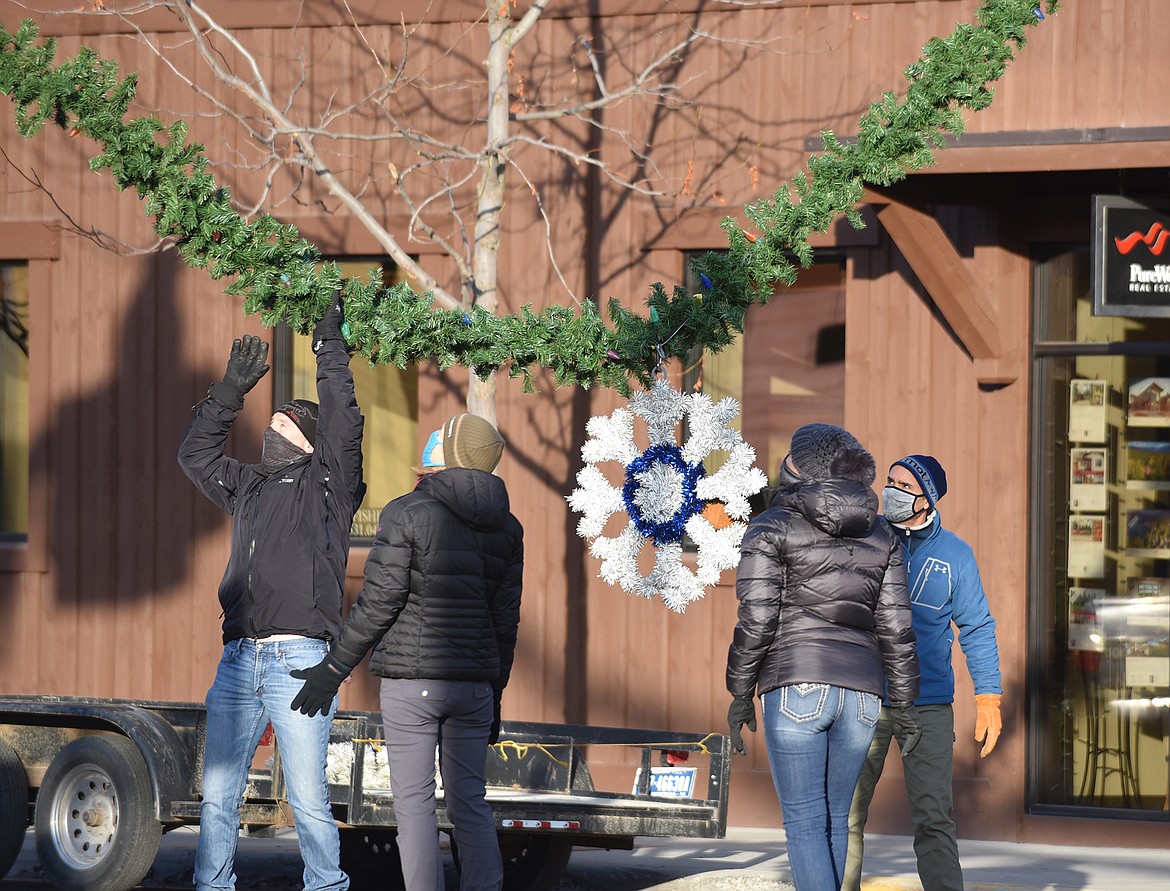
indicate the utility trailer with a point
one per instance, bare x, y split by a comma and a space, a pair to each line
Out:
101, 780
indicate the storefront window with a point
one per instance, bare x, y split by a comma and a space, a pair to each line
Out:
14, 437
1100, 630
388, 397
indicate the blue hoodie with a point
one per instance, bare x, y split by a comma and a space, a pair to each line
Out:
944, 584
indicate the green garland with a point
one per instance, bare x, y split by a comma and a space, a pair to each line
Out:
281, 275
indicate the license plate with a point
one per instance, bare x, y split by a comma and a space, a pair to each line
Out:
669, 782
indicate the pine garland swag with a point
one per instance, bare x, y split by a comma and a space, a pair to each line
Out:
281, 276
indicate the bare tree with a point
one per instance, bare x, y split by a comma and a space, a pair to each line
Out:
455, 191
486, 112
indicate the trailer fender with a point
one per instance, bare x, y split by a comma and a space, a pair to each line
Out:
166, 757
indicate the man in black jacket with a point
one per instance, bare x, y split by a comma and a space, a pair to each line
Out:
281, 593
440, 607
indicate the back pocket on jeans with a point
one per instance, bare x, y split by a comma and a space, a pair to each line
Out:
869, 707
803, 702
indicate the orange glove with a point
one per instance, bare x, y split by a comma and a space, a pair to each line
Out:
987, 721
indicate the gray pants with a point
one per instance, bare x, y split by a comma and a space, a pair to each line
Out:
928, 788
413, 711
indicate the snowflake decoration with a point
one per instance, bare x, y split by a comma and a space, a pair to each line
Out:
666, 493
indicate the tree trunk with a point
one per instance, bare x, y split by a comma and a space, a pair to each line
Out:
481, 394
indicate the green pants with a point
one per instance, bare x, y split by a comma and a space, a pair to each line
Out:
928, 788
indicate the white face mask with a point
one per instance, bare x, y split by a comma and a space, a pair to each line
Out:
898, 504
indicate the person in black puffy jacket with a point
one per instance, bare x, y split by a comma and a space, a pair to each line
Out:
824, 626
440, 607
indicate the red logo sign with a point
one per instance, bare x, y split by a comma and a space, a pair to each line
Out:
1155, 240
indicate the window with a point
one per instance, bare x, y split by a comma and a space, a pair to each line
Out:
1100, 552
388, 397
14, 404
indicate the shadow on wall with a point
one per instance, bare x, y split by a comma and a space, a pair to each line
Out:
124, 521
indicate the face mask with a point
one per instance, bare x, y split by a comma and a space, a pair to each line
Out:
278, 452
788, 479
898, 505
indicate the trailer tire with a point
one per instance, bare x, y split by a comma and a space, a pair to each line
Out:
13, 807
95, 823
370, 858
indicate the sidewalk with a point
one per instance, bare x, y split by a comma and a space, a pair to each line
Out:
747, 860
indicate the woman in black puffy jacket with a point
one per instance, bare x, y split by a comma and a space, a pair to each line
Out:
824, 624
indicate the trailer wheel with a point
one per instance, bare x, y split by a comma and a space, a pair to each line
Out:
13, 807
370, 858
95, 823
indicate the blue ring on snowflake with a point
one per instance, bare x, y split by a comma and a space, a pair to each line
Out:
663, 531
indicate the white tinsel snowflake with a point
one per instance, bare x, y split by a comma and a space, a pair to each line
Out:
665, 490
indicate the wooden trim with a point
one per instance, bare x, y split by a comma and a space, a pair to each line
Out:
1004, 153
33, 554
1039, 138
951, 285
1027, 158
30, 240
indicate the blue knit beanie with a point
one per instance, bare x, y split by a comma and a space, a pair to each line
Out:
929, 473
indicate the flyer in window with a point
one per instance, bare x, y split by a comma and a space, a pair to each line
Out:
1149, 402
1086, 547
1087, 489
1147, 533
1147, 465
1086, 411
1084, 626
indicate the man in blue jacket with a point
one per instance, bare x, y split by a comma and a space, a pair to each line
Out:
945, 590
281, 593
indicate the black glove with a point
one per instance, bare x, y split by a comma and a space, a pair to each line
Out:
329, 327
742, 711
321, 683
494, 733
245, 367
907, 725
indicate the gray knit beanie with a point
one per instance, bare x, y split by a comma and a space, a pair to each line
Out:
824, 451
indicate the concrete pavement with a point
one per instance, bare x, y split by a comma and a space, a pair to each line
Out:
747, 860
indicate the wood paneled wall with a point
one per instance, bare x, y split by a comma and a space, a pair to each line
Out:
125, 604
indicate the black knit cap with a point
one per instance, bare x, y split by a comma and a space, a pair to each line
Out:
304, 415
824, 451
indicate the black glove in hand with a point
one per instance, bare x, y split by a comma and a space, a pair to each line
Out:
321, 683
246, 365
494, 733
742, 711
907, 725
329, 327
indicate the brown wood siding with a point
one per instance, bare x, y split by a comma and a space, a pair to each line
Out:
126, 603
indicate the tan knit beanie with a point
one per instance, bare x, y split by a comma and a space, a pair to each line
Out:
470, 441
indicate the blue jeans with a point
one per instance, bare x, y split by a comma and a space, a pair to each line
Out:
252, 687
817, 738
